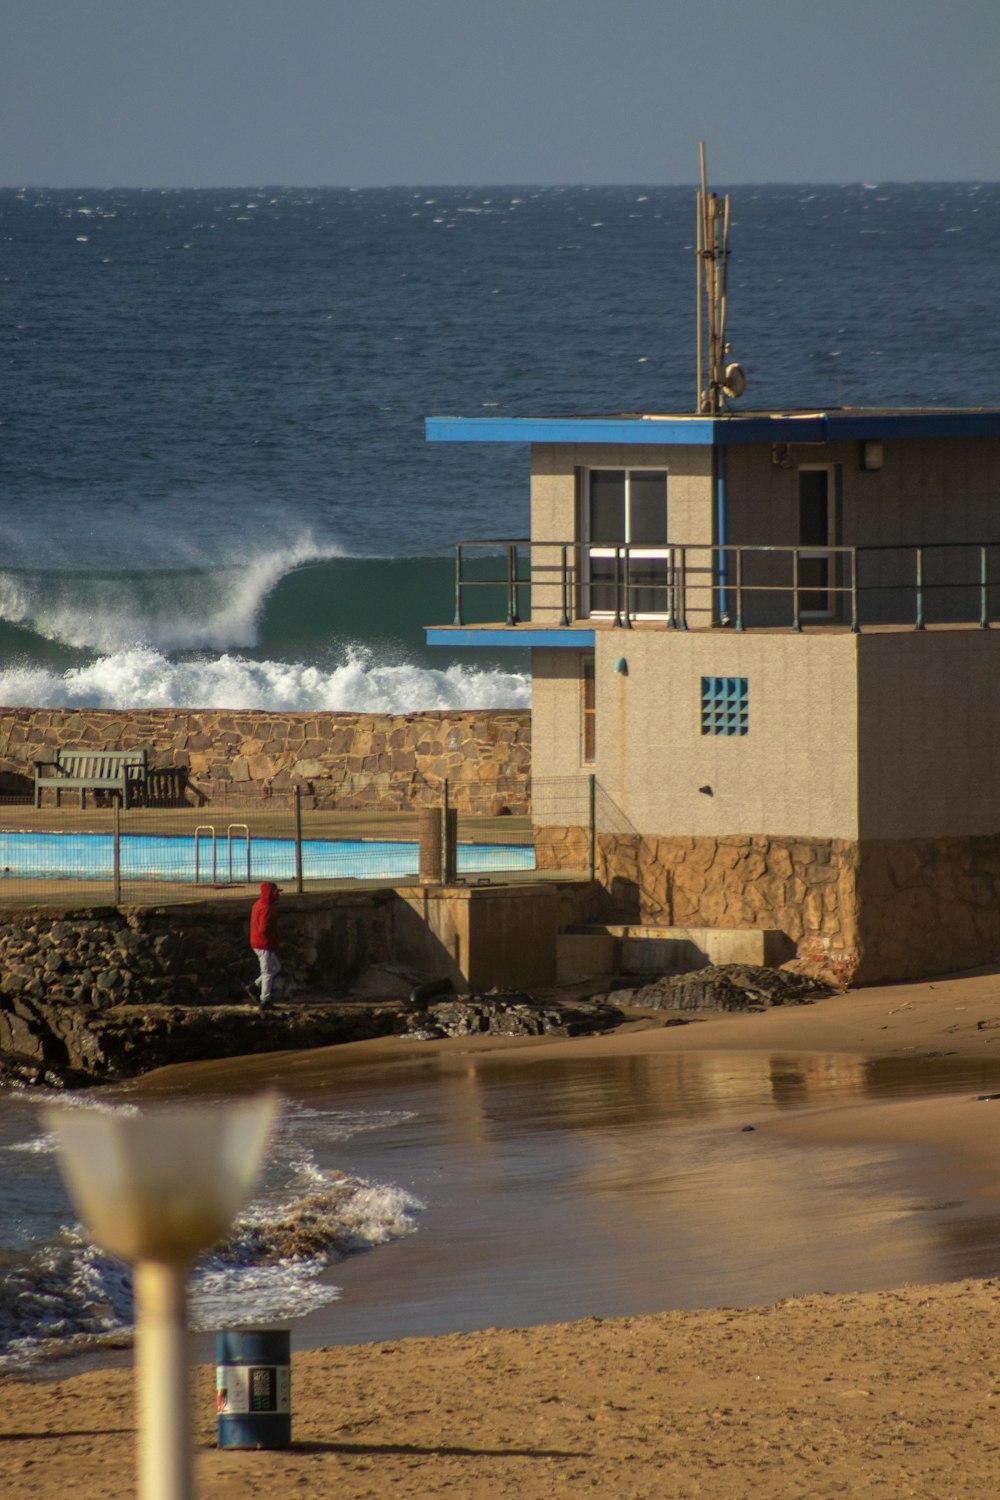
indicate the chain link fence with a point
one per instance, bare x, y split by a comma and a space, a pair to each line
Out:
142, 855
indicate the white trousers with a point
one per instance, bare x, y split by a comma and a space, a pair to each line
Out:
270, 967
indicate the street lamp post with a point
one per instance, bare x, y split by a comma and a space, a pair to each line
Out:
155, 1187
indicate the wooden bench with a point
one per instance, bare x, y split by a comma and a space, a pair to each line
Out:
117, 771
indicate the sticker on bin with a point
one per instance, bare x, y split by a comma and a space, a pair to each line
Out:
241, 1390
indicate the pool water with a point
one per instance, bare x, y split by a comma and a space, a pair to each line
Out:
90, 856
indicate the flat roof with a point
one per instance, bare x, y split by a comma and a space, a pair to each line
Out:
727, 430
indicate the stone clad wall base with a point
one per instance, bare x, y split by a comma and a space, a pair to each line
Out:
928, 906
805, 888
869, 913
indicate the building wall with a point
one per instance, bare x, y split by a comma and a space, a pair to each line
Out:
929, 734
925, 492
794, 774
941, 490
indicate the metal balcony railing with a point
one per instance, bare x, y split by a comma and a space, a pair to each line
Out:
743, 586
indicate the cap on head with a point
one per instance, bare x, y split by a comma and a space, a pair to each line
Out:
268, 888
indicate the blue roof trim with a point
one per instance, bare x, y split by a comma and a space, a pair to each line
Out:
565, 430
732, 431
512, 636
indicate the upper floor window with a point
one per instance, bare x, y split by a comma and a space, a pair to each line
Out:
627, 564
817, 531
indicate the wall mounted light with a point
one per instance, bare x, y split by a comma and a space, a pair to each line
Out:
871, 457
621, 666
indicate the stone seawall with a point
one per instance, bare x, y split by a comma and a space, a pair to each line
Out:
61, 970
89, 987
388, 762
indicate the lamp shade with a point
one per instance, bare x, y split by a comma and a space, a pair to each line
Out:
164, 1182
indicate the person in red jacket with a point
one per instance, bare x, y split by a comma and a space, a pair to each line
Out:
264, 939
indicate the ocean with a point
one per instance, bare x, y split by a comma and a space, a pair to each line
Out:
217, 493
216, 490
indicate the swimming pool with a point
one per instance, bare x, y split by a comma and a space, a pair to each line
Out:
190, 859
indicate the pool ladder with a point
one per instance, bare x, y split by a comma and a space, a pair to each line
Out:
207, 830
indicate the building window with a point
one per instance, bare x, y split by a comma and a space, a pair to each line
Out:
628, 566
817, 530
725, 705
588, 711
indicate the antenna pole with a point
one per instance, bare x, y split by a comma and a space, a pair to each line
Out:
697, 297
712, 260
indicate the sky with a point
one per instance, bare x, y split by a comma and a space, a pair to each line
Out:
209, 93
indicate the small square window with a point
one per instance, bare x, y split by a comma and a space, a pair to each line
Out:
725, 705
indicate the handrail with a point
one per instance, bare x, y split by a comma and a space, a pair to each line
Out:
207, 828
229, 844
564, 583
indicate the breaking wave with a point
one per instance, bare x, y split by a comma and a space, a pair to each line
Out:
65, 1296
175, 610
146, 678
301, 628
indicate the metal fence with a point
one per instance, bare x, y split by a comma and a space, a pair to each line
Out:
745, 585
154, 855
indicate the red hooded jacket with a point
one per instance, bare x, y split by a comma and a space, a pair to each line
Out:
264, 918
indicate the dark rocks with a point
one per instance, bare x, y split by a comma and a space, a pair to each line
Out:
511, 1013
733, 987
129, 1040
59, 1044
74, 1046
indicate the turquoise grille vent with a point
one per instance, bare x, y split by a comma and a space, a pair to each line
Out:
725, 705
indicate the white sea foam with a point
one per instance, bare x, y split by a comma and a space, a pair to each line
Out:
63, 1296
146, 678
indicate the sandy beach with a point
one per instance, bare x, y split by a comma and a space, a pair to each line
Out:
895, 1393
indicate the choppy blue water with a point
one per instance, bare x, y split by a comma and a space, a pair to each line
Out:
215, 485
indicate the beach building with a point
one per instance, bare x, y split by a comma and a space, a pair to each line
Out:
767, 647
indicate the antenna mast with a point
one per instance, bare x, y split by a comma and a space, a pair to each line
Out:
712, 275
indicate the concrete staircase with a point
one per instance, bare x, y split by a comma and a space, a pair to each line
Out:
597, 952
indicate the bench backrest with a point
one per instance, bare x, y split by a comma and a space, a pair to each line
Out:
100, 765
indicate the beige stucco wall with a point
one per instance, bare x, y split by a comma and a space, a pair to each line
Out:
794, 773
929, 715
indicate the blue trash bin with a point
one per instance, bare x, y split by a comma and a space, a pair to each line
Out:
253, 1391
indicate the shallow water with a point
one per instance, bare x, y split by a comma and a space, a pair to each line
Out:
455, 1190
559, 1188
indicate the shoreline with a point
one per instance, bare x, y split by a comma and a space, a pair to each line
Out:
896, 1391
918, 1020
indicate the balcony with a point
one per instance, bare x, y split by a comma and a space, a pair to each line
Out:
534, 593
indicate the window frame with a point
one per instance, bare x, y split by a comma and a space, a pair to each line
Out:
594, 548
588, 708
810, 553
